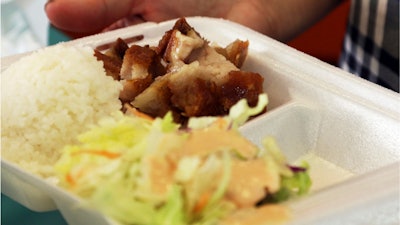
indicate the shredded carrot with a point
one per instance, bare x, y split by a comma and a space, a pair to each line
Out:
137, 113
202, 202
104, 153
70, 179
220, 123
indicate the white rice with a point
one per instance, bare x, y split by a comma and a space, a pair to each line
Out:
47, 99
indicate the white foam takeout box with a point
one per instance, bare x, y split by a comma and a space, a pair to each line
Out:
348, 129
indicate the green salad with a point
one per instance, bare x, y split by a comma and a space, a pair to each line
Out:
142, 171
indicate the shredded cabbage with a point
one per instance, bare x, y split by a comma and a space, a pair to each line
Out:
238, 114
137, 171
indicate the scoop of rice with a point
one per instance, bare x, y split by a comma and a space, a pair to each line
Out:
47, 99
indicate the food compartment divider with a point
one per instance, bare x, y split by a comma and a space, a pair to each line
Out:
75, 210
294, 126
25, 188
369, 198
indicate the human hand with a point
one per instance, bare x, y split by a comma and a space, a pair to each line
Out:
85, 17
280, 19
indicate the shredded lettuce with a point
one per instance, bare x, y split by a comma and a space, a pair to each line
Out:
293, 183
137, 171
291, 186
241, 111
238, 114
173, 211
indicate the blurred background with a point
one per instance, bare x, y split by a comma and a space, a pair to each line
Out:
24, 27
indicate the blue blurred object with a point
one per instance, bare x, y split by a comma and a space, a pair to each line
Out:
13, 213
55, 36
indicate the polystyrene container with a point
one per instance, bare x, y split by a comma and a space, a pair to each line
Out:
346, 128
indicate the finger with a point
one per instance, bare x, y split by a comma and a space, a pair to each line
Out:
125, 22
89, 16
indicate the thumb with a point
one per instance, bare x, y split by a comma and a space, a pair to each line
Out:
86, 16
